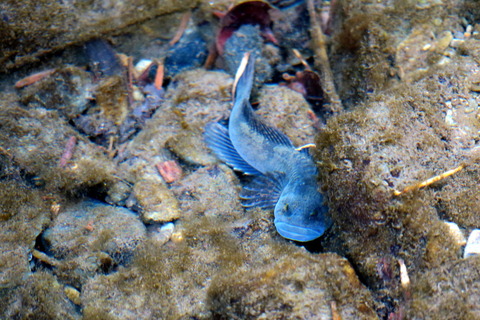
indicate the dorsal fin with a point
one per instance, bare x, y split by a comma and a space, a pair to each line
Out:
272, 134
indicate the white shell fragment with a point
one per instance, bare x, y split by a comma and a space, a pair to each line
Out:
142, 65
455, 233
163, 234
473, 244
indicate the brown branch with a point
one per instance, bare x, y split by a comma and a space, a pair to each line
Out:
319, 47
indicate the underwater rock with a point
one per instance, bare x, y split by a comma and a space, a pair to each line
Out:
300, 286
190, 147
23, 216
161, 234
247, 39
289, 112
449, 292
155, 201
396, 139
40, 297
193, 98
118, 193
291, 27
67, 90
31, 29
91, 226
102, 59
367, 41
189, 53
36, 138
200, 192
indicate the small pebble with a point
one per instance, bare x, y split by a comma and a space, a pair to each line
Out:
142, 65
456, 233
449, 118
170, 171
163, 234
468, 31
177, 237
73, 294
473, 244
455, 43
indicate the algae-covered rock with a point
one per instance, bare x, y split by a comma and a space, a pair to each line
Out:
24, 215
288, 111
41, 297
449, 292
155, 201
374, 42
296, 286
67, 90
31, 28
230, 271
83, 232
395, 140
190, 147
37, 139
199, 193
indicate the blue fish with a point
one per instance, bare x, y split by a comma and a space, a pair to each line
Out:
285, 179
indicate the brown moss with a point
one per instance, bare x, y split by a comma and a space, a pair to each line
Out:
365, 38
37, 27
36, 139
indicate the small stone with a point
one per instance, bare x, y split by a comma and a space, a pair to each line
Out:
92, 226
473, 244
169, 170
142, 65
449, 118
443, 42
155, 201
118, 193
189, 147
162, 235
456, 233
455, 43
73, 294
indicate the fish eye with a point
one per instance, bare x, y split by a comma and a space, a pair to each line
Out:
285, 207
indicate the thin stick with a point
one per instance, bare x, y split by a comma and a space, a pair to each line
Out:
302, 60
429, 181
159, 76
321, 60
68, 153
33, 78
130, 80
308, 145
181, 28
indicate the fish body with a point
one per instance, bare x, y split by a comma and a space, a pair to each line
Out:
285, 178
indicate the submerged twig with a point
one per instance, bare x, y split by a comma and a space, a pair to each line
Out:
130, 75
321, 60
181, 28
429, 181
159, 76
68, 153
33, 78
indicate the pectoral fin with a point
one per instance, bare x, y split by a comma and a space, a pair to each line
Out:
216, 137
263, 191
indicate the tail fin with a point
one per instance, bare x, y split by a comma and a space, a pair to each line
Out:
244, 78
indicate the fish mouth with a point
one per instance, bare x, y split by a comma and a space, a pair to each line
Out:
297, 233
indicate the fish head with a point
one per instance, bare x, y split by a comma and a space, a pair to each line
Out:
301, 215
